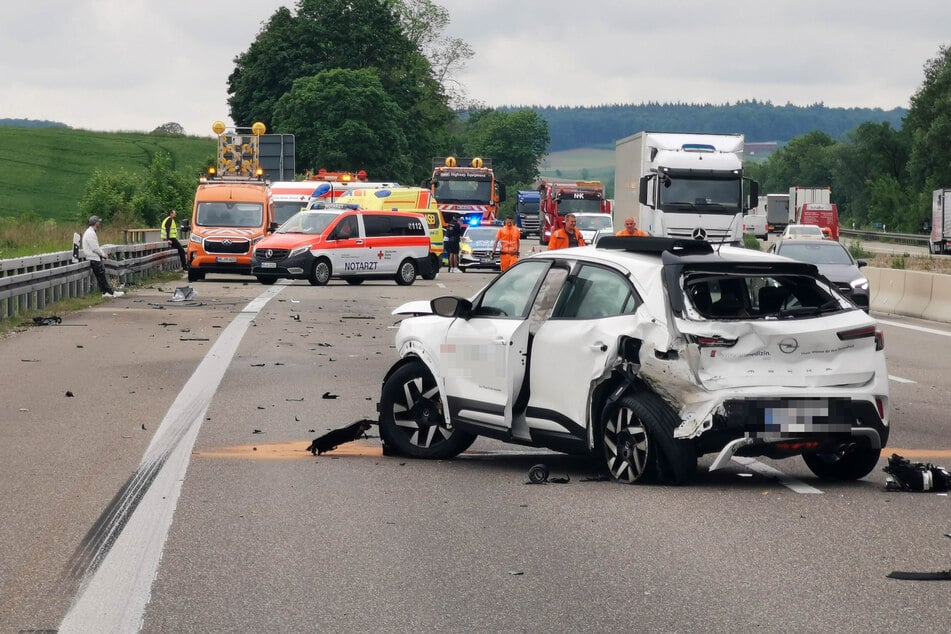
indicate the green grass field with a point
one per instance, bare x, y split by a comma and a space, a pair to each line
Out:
44, 171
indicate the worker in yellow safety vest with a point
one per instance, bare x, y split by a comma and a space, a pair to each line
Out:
508, 238
170, 235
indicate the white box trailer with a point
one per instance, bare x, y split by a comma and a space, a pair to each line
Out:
940, 241
799, 196
683, 185
777, 212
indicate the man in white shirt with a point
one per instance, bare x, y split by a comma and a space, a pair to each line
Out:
94, 253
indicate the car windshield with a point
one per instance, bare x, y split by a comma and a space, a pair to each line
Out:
229, 214
308, 222
816, 252
480, 234
593, 223
719, 296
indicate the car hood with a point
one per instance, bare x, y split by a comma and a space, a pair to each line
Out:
288, 241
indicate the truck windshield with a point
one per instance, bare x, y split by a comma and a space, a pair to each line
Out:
226, 214
473, 192
700, 195
578, 205
528, 208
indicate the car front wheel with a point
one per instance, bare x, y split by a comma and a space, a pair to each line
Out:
412, 421
849, 464
320, 274
639, 445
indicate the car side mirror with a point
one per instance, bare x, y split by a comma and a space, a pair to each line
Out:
187, 226
450, 306
861, 263
271, 228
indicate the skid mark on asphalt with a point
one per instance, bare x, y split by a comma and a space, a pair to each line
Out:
297, 450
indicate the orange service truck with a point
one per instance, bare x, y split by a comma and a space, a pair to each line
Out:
233, 208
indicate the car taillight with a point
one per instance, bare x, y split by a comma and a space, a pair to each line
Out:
879, 340
880, 404
857, 333
714, 341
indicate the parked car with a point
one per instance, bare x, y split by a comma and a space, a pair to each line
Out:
475, 248
648, 354
833, 261
803, 231
589, 224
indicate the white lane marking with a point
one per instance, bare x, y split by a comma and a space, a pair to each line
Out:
440, 285
114, 598
930, 331
789, 482
898, 379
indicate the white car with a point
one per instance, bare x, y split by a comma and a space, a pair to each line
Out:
798, 232
590, 224
648, 353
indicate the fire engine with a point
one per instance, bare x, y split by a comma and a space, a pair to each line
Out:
466, 187
560, 197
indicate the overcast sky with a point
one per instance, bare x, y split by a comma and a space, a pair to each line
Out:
136, 64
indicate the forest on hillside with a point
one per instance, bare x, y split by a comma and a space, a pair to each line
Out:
601, 126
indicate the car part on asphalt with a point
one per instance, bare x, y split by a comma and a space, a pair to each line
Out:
336, 437
538, 474
915, 476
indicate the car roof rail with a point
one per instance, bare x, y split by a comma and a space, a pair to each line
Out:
650, 244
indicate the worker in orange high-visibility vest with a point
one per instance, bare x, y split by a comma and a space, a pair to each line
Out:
630, 229
508, 239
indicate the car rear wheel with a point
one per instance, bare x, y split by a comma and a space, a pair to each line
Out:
638, 442
354, 281
434, 265
850, 464
320, 274
411, 416
406, 274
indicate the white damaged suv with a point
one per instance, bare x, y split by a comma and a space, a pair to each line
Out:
648, 353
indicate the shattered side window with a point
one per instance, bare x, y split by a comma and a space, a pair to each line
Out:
722, 296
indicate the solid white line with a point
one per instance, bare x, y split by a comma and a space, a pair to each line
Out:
113, 599
930, 331
789, 482
898, 379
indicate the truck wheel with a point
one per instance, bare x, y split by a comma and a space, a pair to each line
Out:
194, 276
406, 274
637, 437
267, 280
845, 465
320, 274
411, 416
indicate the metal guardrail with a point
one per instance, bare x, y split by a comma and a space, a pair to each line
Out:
882, 236
32, 282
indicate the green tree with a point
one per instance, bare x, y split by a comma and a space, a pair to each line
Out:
347, 34
515, 141
345, 120
131, 199
806, 160
871, 151
929, 125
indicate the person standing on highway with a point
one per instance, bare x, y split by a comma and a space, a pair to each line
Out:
451, 237
630, 229
508, 238
94, 253
568, 236
170, 235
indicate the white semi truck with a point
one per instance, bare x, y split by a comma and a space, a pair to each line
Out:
683, 185
940, 241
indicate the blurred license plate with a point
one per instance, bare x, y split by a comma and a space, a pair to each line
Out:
797, 416
268, 265
486, 260
226, 260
